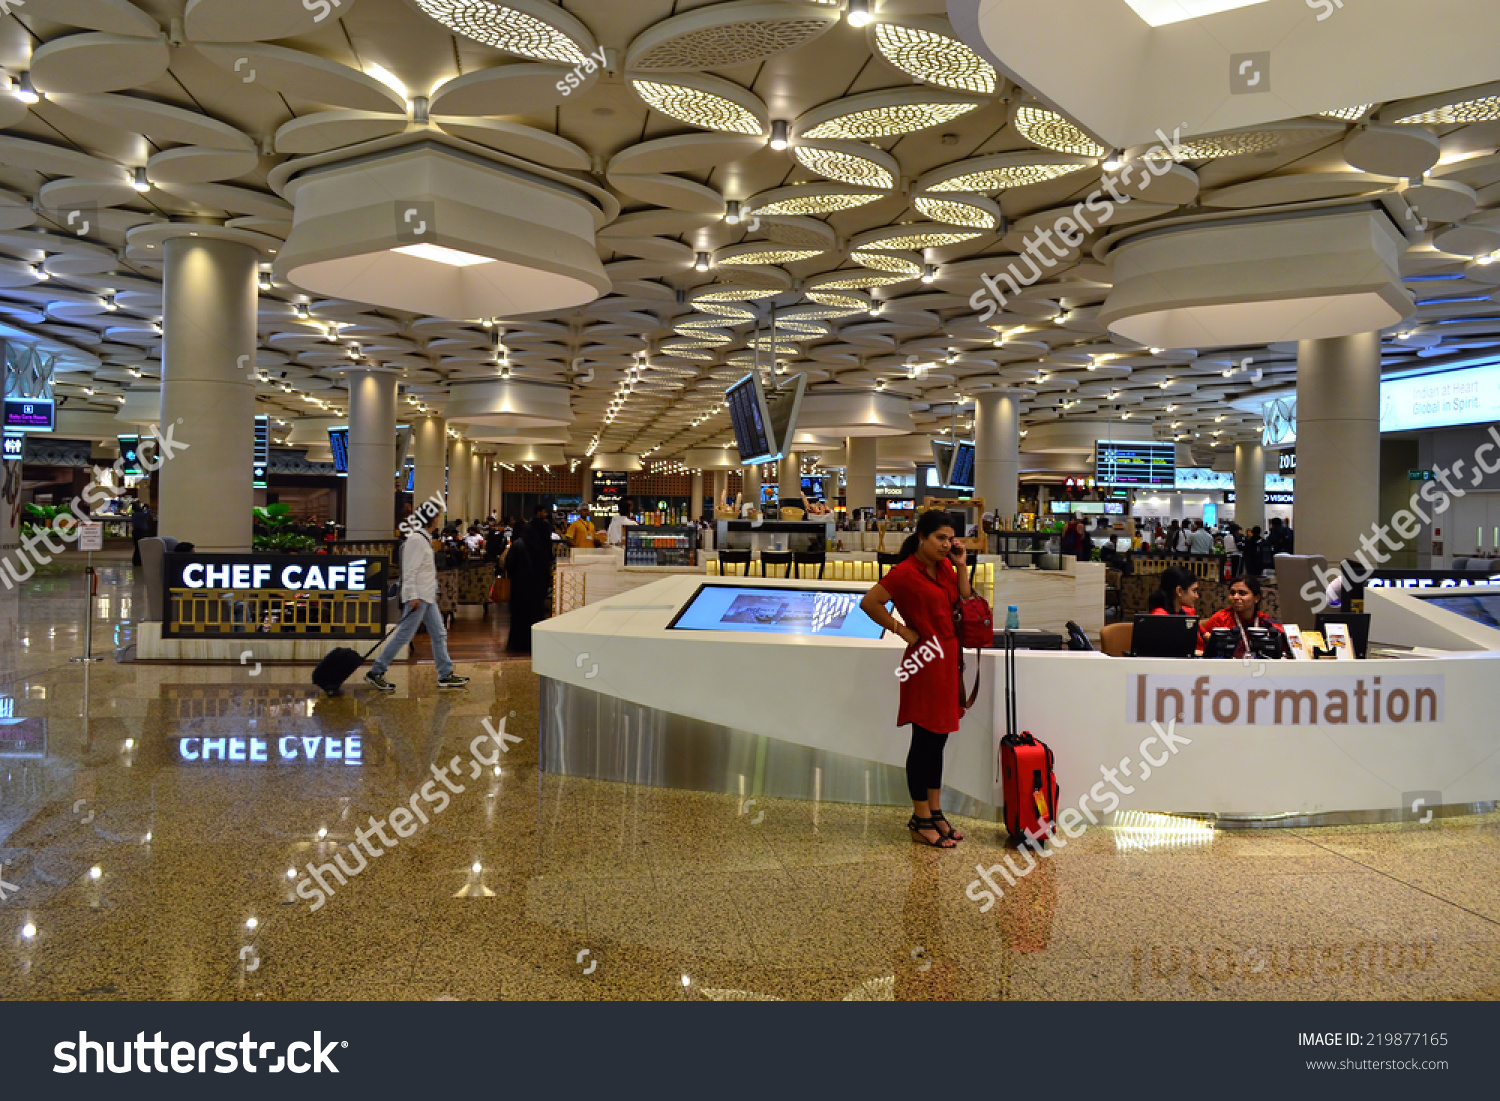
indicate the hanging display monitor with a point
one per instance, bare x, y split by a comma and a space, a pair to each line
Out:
961, 474
751, 420
130, 454
261, 465
784, 403
942, 460
338, 439
30, 414
1138, 465
411, 478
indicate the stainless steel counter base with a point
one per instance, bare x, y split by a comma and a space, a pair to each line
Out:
585, 733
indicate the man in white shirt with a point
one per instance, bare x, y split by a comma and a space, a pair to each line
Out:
625, 518
1201, 541
419, 603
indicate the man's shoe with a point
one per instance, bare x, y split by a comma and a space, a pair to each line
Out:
379, 682
452, 680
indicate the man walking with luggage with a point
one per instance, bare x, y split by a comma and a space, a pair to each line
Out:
419, 603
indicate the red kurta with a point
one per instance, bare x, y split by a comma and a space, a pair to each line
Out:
929, 697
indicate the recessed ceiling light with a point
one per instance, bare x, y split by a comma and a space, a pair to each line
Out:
935, 58
441, 254
706, 102
858, 13
779, 129
530, 28
1160, 13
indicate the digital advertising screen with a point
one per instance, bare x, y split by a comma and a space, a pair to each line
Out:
750, 418
30, 414
1140, 465
130, 454
776, 611
1440, 400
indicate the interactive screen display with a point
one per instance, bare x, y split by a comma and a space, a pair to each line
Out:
338, 439
776, 611
261, 464
962, 475
1135, 465
749, 416
29, 414
15, 446
1480, 607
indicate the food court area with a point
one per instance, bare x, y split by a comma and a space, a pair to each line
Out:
652, 356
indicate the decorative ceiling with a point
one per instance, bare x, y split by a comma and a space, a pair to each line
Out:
860, 181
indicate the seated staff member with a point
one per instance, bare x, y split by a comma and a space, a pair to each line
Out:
1243, 611
925, 585
1176, 594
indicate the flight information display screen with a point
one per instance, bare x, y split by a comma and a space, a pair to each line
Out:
770, 610
338, 439
748, 415
962, 476
1135, 465
261, 464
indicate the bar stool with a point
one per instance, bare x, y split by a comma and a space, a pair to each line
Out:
740, 558
885, 561
776, 558
809, 558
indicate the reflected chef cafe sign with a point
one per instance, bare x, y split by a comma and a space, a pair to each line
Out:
289, 747
1370, 700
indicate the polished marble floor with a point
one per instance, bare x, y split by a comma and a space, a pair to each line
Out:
129, 872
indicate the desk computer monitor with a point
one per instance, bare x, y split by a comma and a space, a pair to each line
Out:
1164, 636
1359, 628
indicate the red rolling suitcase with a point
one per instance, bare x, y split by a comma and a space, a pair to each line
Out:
1028, 783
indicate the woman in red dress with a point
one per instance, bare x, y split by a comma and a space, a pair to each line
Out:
925, 586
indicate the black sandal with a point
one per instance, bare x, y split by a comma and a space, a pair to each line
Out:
937, 816
917, 824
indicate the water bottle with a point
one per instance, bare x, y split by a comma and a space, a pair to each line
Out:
1012, 619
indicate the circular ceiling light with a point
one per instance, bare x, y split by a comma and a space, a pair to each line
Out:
849, 162
908, 264
917, 236
1051, 130
806, 199
720, 36
960, 210
1239, 143
758, 253
1001, 171
531, 28
731, 293
885, 114
930, 55
705, 101
847, 280
1347, 114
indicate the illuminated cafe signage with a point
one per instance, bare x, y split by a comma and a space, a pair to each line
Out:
319, 749
1273, 497
249, 573
611, 484
1226, 700
1429, 579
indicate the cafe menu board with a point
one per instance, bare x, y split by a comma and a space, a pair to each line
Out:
1139, 465
611, 485
29, 414
262, 461
748, 414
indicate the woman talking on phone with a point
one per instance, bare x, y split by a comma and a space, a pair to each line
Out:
926, 585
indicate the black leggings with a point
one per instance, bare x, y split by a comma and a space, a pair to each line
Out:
924, 762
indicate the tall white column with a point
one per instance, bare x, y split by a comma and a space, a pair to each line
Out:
1250, 486
721, 487
695, 497
1338, 444
997, 454
458, 480
208, 392
430, 442
479, 485
860, 475
751, 477
372, 454
496, 482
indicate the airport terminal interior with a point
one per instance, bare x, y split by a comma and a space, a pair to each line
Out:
633, 343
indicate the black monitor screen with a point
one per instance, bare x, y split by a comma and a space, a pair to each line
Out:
338, 439
962, 476
1164, 636
1135, 465
130, 454
748, 415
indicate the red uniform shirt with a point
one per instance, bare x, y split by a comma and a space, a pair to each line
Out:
1227, 618
929, 696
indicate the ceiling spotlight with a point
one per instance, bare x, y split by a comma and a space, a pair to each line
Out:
702, 262
1112, 162
1487, 258
265, 281
42, 273
140, 182
858, 13
877, 308
302, 312
110, 304
24, 91
779, 134
1157, 351
929, 272
732, 212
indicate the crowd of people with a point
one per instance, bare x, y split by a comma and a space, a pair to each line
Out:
1251, 553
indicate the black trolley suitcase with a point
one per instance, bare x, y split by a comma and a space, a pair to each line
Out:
339, 665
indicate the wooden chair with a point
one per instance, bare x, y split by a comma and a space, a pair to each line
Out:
777, 559
809, 558
884, 562
1115, 639
740, 558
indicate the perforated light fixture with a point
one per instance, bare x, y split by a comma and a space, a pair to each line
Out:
760, 254
531, 28
935, 58
807, 199
970, 210
905, 112
1479, 109
695, 105
1000, 172
1347, 114
1051, 130
912, 237
887, 261
849, 162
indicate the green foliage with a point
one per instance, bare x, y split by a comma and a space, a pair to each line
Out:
273, 516
285, 543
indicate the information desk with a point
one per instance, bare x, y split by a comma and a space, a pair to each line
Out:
628, 697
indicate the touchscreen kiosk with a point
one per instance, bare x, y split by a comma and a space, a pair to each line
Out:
774, 610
